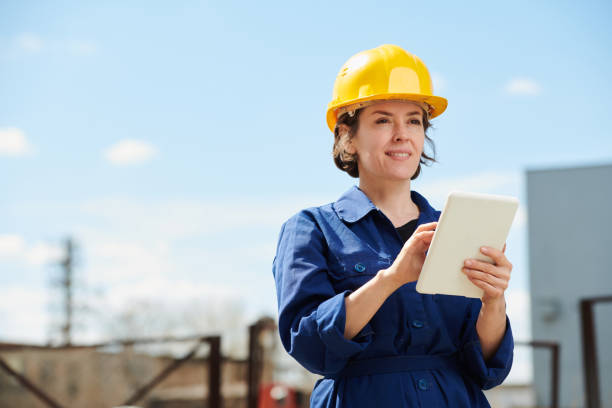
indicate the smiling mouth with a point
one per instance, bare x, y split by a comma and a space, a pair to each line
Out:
398, 154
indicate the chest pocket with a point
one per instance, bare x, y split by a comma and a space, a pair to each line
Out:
354, 269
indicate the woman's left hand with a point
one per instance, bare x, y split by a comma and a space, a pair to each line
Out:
491, 278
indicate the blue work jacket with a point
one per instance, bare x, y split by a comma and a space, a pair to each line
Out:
417, 350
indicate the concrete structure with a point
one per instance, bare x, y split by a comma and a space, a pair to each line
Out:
87, 377
570, 258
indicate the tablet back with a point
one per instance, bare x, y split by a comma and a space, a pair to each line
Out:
468, 222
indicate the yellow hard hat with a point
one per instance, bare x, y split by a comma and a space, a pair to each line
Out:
383, 73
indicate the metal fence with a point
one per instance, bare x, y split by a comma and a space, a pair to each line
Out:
213, 369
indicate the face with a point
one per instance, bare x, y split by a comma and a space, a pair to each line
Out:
389, 140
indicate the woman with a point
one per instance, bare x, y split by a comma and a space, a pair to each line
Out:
346, 272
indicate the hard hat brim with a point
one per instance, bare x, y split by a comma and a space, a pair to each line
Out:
437, 103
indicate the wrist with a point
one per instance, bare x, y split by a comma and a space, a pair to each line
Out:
387, 278
494, 305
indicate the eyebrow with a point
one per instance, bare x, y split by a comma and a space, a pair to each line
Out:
389, 114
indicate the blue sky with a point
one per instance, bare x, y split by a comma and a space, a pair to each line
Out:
172, 140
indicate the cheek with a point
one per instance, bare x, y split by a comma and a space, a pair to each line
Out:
370, 146
373, 151
420, 140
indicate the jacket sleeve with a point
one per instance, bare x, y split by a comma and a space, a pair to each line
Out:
490, 373
312, 314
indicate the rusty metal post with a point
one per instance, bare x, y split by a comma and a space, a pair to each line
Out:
214, 372
554, 368
29, 386
589, 354
256, 358
589, 350
253, 367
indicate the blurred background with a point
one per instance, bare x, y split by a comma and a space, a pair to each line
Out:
150, 152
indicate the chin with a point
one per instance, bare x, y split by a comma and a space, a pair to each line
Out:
400, 176
394, 174
404, 173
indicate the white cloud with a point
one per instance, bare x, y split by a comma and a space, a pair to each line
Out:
13, 142
130, 151
523, 86
11, 245
24, 314
14, 246
29, 42
43, 254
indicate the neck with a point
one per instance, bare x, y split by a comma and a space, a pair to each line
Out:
392, 197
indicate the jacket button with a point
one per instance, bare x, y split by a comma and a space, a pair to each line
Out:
360, 267
417, 324
423, 384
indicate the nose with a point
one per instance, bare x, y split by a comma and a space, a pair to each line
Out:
400, 132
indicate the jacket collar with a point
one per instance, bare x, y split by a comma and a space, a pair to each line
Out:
354, 204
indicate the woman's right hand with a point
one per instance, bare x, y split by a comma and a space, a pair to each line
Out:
363, 303
409, 262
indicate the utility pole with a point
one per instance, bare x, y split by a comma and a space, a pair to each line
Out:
66, 284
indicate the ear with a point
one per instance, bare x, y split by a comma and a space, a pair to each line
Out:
349, 148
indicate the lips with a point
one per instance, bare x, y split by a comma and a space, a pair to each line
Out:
399, 154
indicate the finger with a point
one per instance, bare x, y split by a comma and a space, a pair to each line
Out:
489, 290
427, 240
424, 237
421, 236
498, 256
499, 283
428, 226
495, 270
504, 250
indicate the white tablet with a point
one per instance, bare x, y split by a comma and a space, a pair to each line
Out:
468, 222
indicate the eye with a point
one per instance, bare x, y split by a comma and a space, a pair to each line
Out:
382, 120
415, 121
